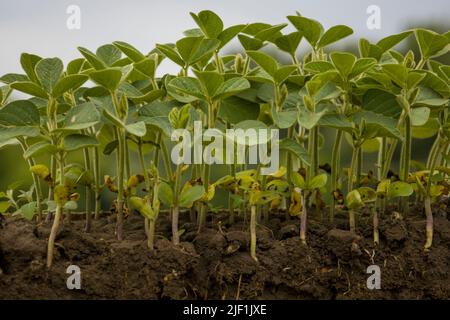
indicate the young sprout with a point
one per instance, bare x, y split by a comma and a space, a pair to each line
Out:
386, 190
356, 199
257, 197
298, 206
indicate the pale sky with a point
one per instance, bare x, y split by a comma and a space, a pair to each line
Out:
40, 26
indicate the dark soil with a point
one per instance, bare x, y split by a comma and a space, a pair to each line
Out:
215, 264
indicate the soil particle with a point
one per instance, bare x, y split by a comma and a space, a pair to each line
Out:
215, 264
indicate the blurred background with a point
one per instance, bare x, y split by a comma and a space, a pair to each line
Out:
40, 27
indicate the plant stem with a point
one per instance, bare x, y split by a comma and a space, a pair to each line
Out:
120, 133
352, 167
315, 158
352, 223
51, 188
303, 218
87, 164
166, 160
51, 239
388, 160
253, 233
335, 171
359, 168
97, 184
120, 185
147, 182
406, 160
381, 157
376, 236
58, 214
427, 201
175, 209
36, 182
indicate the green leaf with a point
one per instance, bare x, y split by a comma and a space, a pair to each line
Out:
75, 66
179, 118
362, 65
399, 189
367, 194
211, 81
318, 66
30, 88
4, 206
39, 149
311, 29
377, 125
193, 49
209, 22
48, 71
28, 62
427, 130
109, 54
74, 142
28, 210
354, 200
138, 129
147, 67
110, 147
20, 113
14, 132
298, 180
186, 85
334, 34
435, 83
283, 119
318, 182
419, 116
67, 83
336, 121
271, 33
229, 33
148, 97
389, 42
235, 110
283, 73
156, 114
113, 119
296, 149
308, 119
232, 87
431, 44
107, 78
130, 51
190, 195
398, 73
366, 49
165, 194
266, 62
71, 205
93, 60
81, 117
170, 53
290, 42
429, 97
343, 62
381, 102
250, 43
13, 77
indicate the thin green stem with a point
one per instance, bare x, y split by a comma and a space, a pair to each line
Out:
335, 171
97, 183
175, 209
88, 191
352, 167
253, 233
